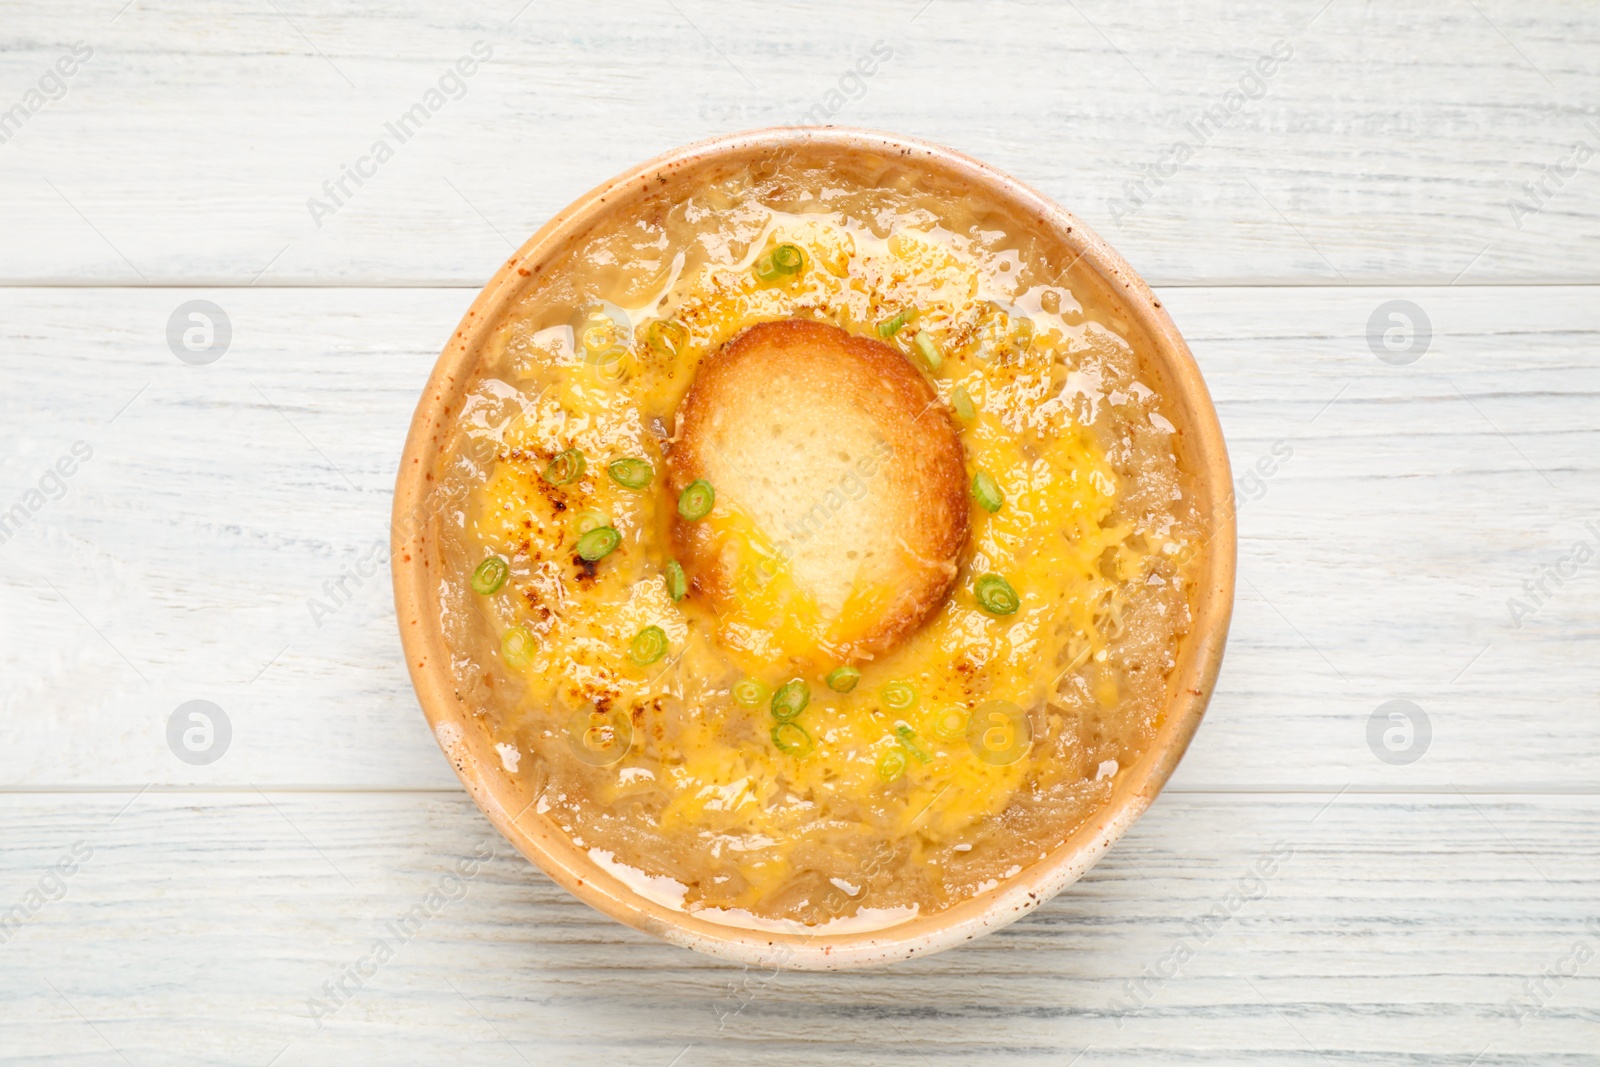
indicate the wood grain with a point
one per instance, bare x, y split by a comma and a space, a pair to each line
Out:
1431, 913
1376, 561
1387, 148
1395, 929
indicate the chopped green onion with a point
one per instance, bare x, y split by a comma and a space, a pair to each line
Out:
631, 473
892, 765
961, 400
780, 263
790, 700
598, 543
787, 259
677, 582
995, 595
951, 723
590, 519
843, 679
908, 738
891, 326
898, 695
986, 491
666, 337
566, 468
694, 503
749, 692
649, 645
791, 738
928, 350
517, 647
490, 575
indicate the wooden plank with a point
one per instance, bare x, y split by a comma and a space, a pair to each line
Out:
1433, 912
1389, 146
1376, 561
1375, 929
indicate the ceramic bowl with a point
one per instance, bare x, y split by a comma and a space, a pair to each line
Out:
1165, 362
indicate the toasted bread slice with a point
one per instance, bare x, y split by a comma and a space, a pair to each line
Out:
841, 503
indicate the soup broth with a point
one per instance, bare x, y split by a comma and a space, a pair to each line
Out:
715, 756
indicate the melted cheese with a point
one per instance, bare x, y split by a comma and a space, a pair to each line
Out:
1057, 540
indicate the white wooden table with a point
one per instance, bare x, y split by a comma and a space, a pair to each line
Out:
1434, 900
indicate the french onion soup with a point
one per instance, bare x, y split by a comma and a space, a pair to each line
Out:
815, 546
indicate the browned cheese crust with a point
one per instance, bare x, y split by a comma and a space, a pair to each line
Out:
843, 456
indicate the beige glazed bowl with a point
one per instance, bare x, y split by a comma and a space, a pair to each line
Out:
1166, 363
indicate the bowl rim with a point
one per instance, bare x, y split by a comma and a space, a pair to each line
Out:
428, 658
